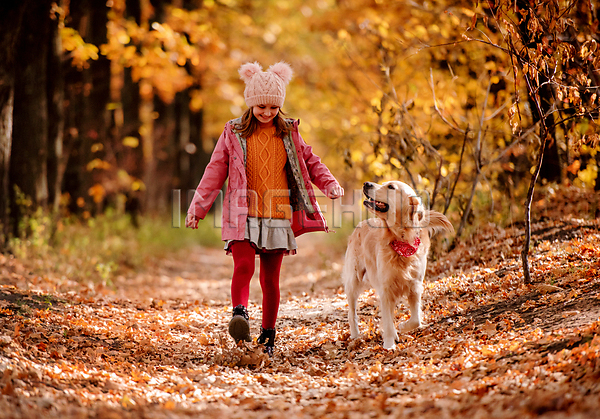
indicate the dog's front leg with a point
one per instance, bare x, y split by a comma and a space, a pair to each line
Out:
352, 317
416, 316
390, 335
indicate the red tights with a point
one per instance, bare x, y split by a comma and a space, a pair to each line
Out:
243, 269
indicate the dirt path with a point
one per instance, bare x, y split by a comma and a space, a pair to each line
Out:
155, 345
204, 274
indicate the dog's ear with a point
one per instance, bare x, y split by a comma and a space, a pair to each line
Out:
438, 222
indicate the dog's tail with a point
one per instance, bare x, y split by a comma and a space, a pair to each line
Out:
437, 222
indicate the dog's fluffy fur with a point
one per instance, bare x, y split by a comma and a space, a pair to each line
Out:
371, 262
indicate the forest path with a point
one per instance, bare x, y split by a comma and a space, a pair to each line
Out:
204, 274
155, 345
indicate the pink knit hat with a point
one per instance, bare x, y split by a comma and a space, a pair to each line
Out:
265, 87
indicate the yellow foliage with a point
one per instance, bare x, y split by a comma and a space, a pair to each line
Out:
356, 156
131, 142
343, 34
589, 175
98, 164
366, 76
80, 51
138, 185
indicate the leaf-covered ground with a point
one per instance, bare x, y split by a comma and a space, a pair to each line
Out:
155, 344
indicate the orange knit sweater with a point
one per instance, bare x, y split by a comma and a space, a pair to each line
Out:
267, 181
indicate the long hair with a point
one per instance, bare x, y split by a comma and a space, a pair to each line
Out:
250, 124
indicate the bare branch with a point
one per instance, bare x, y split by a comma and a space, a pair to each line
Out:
462, 153
436, 107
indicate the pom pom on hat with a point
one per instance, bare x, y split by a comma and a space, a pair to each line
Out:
248, 70
265, 87
283, 70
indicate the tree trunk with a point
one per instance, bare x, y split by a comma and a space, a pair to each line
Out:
130, 98
189, 142
551, 169
132, 160
6, 113
182, 138
28, 165
148, 146
534, 179
199, 160
11, 13
165, 152
56, 123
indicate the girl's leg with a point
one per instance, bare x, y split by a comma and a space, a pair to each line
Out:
270, 266
243, 269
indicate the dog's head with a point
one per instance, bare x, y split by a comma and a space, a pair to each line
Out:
395, 202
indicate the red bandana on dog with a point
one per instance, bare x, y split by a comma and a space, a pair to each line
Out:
405, 249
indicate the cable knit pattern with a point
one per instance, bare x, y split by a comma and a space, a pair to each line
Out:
267, 181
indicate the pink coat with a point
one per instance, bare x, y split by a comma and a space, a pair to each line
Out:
228, 161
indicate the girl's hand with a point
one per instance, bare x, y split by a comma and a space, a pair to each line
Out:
336, 192
191, 221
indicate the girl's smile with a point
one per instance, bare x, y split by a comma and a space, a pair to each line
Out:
265, 113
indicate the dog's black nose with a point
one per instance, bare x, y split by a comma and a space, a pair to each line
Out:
368, 185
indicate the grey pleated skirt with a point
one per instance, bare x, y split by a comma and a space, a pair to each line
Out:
269, 235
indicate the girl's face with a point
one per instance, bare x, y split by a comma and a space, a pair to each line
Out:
265, 113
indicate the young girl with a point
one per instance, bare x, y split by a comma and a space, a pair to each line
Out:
269, 199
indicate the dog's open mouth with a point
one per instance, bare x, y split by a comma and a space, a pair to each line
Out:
376, 205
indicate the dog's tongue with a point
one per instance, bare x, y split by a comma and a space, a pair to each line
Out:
405, 249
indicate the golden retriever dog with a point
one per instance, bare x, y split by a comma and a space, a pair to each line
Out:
389, 253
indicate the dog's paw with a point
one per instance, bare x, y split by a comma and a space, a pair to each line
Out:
389, 340
389, 346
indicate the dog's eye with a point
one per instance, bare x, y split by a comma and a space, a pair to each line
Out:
391, 186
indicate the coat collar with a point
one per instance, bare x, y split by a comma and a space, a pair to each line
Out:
239, 143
